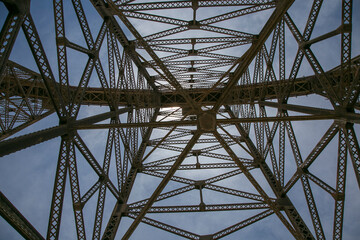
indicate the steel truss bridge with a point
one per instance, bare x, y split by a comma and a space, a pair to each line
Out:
208, 119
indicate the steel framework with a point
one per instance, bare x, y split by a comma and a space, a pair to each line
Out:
206, 113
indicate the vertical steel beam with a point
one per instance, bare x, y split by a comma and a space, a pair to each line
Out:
340, 186
61, 49
58, 192
102, 192
346, 30
75, 190
354, 149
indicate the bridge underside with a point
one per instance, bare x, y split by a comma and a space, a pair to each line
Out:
203, 119
31, 83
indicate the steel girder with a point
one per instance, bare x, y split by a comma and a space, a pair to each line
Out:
196, 99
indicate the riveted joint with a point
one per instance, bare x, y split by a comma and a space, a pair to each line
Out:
304, 45
302, 171
70, 128
130, 47
346, 28
103, 179
193, 132
268, 64
342, 122
240, 139
257, 162
139, 166
199, 184
94, 54
121, 209
207, 121
206, 237
202, 207
18, 6
193, 41
78, 206
349, 125
192, 69
255, 38
282, 203
62, 41
195, 4
338, 196
196, 152
63, 120
193, 25
193, 52
197, 165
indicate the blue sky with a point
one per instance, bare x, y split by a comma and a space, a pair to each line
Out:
27, 176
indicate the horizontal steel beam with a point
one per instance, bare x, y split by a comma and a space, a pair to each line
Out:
28, 140
341, 114
240, 94
201, 208
219, 121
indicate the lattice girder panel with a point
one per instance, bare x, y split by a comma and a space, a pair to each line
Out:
182, 119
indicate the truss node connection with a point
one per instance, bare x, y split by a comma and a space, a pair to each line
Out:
191, 119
